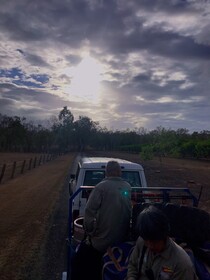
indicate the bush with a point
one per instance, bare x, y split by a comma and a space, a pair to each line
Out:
147, 153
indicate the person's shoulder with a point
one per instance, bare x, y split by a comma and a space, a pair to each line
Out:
126, 183
102, 183
139, 242
181, 255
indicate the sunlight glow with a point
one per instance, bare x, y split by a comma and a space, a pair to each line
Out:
165, 99
85, 79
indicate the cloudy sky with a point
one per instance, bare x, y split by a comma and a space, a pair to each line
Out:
125, 64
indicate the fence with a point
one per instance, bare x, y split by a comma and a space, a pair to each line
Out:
9, 171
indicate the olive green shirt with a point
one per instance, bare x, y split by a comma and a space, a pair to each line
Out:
108, 213
171, 264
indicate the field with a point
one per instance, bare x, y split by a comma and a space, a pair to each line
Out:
34, 211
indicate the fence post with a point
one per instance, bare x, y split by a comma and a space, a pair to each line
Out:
23, 166
40, 160
29, 166
2, 172
13, 170
35, 162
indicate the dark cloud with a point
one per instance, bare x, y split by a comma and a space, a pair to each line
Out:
156, 40
34, 59
20, 51
177, 6
142, 78
157, 64
29, 96
71, 22
7, 103
34, 104
73, 59
18, 26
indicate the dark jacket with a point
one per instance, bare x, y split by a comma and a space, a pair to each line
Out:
108, 213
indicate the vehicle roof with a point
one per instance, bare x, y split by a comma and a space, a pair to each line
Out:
101, 162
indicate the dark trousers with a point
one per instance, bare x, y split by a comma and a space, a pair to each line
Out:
87, 263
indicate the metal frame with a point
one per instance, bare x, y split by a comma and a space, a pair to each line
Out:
166, 194
70, 222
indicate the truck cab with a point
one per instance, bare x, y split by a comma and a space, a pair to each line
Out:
91, 170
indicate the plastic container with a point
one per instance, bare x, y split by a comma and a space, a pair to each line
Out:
78, 229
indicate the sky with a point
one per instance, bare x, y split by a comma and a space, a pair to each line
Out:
125, 64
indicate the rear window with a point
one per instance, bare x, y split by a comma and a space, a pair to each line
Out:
132, 177
93, 177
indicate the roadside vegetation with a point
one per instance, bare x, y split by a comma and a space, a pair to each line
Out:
63, 133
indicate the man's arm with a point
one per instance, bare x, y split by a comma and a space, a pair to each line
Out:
133, 263
93, 204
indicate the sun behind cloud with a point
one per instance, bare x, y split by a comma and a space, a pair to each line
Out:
85, 79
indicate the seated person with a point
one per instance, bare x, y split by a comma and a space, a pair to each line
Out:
156, 256
106, 222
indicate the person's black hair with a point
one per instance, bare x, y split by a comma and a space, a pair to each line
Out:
152, 224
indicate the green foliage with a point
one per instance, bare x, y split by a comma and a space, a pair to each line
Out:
65, 133
202, 149
131, 148
147, 152
187, 149
175, 152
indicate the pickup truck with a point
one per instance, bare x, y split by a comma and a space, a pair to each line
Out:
189, 224
91, 170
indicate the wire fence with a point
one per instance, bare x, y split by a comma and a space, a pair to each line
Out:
12, 170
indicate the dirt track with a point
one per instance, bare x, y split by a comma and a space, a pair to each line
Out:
28, 207
34, 210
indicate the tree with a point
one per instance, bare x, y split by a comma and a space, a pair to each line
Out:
147, 152
12, 133
64, 129
85, 128
65, 117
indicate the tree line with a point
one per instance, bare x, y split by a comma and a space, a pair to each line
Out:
63, 133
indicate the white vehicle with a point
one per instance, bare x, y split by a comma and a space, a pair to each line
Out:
91, 170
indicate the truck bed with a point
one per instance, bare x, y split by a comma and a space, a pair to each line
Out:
189, 224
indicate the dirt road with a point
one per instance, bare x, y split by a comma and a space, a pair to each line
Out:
29, 208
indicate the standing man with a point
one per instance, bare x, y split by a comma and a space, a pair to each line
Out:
156, 256
106, 222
